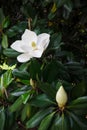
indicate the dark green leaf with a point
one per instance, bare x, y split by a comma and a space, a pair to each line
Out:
77, 119
16, 29
6, 22
34, 69
26, 96
10, 52
45, 123
25, 112
36, 119
79, 90
60, 3
4, 41
16, 105
28, 10
41, 101
1, 16
2, 118
61, 123
45, 87
21, 74
5, 80
56, 41
80, 100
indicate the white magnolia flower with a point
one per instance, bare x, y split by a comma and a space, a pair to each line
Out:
61, 97
31, 45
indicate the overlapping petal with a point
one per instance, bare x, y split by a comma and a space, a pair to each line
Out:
24, 57
37, 53
17, 46
43, 40
29, 36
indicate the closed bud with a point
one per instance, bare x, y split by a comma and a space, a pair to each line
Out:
61, 97
33, 83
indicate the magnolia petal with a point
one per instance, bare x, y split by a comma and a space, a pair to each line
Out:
17, 46
26, 48
24, 57
29, 36
37, 53
43, 40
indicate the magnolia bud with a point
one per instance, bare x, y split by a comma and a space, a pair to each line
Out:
33, 83
61, 97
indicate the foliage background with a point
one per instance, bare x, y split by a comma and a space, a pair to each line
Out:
64, 62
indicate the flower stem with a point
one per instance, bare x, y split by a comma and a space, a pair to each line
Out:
29, 23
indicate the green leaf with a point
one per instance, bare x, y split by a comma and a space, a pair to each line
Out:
50, 72
10, 52
20, 91
56, 41
6, 22
28, 10
5, 80
16, 29
51, 15
36, 119
61, 123
21, 74
80, 88
69, 5
45, 123
77, 119
53, 71
2, 118
34, 69
41, 101
60, 3
1, 16
4, 41
25, 112
80, 100
26, 96
78, 105
45, 87
17, 105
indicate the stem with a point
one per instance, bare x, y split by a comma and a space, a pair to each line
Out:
29, 23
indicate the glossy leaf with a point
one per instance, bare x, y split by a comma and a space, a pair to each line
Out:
60, 123
77, 119
10, 52
21, 74
34, 69
4, 41
16, 105
25, 112
37, 118
45, 87
60, 3
6, 22
5, 80
2, 118
16, 29
45, 123
41, 101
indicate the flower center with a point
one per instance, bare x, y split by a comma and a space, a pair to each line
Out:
33, 44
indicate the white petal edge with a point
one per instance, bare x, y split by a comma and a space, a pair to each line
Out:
17, 46
37, 53
24, 57
29, 36
43, 40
